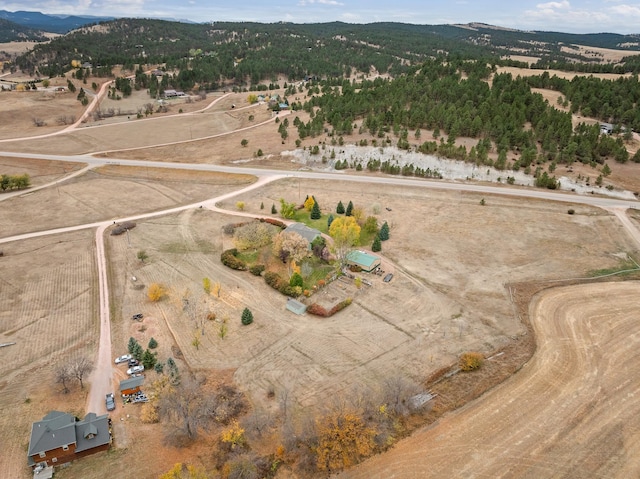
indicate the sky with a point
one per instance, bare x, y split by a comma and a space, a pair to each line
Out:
575, 16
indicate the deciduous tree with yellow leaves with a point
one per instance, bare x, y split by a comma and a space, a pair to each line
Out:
184, 471
345, 232
343, 440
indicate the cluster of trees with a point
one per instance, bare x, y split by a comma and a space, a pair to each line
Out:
506, 117
349, 429
612, 101
15, 182
148, 359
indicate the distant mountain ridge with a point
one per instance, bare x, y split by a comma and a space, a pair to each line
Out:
49, 23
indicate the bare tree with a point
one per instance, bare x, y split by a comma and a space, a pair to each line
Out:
186, 408
80, 368
63, 376
397, 392
257, 422
253, 235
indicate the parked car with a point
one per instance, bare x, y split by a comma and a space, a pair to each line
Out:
137, 317
123, 359
110, 401
135, 369
388, 277
133, 362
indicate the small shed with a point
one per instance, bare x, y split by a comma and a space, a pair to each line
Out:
296, 306
131, 385
366, 261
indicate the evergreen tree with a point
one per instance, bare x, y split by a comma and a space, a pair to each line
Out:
376, 246
349, 210
315, 212
159, 367
132, 345
138, 352
273, 209
384, 232
340, 208
148, 359
296, 280
174, 374
153, 344
247, 317
329, 221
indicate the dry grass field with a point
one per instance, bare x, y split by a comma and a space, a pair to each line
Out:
452, 260
48, 307
450, 274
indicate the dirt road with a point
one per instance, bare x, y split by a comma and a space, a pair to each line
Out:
572, 411
101, 377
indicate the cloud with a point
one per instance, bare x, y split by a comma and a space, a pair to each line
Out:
553, 5
333, 3
626, 10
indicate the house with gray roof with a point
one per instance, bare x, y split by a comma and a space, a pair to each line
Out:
61, 437
303, 230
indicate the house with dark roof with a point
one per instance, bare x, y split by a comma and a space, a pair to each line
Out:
303, 230
61, 437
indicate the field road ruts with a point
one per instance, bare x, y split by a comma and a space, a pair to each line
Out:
572, 411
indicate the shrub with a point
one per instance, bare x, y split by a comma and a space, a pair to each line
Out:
296, 280
571, 211
230, 260
291, 291
471, 361
156, 292
317, 310
257, 269
273, 279
340, 306
273, 221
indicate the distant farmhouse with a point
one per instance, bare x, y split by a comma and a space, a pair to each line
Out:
173, 93
606, 128
60, 438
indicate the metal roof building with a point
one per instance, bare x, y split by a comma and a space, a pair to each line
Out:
366, 261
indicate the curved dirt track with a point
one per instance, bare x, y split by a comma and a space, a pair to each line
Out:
573, 411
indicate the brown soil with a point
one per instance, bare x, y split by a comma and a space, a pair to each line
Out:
567, 411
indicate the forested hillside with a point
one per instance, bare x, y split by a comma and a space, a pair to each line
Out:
11, 32
439, 78
252, 51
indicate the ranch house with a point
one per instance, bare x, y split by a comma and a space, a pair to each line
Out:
60, 438
303, 230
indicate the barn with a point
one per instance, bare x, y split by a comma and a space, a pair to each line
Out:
366, 261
